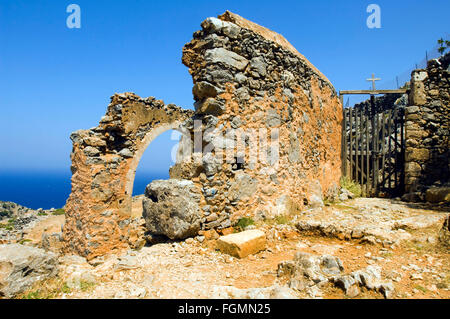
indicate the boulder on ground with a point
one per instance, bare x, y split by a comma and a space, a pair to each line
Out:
21, 266
307, 271
242, 244
438, 195
171, 208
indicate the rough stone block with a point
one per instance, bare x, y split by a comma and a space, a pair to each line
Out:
417, 155
438, 194
228, 58
242, 244
21, 266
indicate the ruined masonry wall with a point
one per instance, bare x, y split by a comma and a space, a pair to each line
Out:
245, 77
248, 77
104, 162
427, 129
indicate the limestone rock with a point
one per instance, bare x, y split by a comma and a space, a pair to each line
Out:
22, 266
308, 269
438, 194
171, 208
242, 244
271, 292
258, 67
209, 106
210, 164
215, 25
243, 187
228, 58
314, 194
204, 89
52, 242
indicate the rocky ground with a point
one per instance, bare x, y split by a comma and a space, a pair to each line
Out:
19, 224
361, 248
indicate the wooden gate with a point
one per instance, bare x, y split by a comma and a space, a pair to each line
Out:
373, 150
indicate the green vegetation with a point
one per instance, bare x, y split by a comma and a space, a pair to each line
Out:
9, 225
243, 222
53, 287
279, 220
422, 289
351, 186
282, 219
4, 213
443, 45
6, 226
42, 214
86, 286
59, 211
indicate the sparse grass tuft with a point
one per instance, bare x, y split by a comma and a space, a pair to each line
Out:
42, 214
282, 219
351, 186
243, 222
53, 288
86, 286
8, 226
46, 290
59, 211
279, 220
422, 289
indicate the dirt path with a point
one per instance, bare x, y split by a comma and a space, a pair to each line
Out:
419, 267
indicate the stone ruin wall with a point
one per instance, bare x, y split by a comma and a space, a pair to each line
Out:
104, 162
428, 131
248, 77
245, 77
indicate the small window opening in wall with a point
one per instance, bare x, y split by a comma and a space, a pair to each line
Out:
238, 163
153, 198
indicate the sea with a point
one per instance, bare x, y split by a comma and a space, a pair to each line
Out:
40, 189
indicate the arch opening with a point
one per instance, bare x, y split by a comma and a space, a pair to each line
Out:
154, 164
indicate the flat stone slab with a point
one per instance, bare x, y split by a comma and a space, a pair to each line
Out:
242, 244
383, 219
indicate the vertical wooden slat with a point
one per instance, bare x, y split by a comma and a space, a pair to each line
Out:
372, 147
361, 139
376, 150
389, 153
350, 112
396, 150
357, 133
383, 148
367, 154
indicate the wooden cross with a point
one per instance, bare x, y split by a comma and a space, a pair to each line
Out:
373, 79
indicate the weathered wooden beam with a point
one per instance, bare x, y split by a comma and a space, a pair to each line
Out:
401, 91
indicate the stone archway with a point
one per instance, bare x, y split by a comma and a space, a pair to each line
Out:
104, 162
145, 143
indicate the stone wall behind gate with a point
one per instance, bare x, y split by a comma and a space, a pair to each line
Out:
427, 129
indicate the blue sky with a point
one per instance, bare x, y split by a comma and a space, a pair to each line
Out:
55, 80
